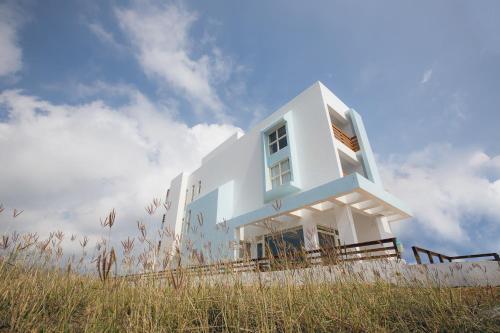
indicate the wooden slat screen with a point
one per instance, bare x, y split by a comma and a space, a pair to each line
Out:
351, 142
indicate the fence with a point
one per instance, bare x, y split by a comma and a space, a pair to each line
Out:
378, 249
442, 257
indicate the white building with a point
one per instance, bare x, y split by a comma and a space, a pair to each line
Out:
306, 172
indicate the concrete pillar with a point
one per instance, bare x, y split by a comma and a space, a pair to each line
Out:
310, 231
368, 159
237, 237
345, 225
384, 228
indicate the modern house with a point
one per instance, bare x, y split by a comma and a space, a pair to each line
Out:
306, 173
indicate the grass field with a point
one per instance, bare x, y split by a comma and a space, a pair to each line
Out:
42, 290
37, 299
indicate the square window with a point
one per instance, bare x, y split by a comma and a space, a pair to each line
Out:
275, 171
274, 147
281, 131
283, 143
277, 139
281, 173
285, 165
272, 137
286, 178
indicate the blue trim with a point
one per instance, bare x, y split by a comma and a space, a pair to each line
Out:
271, 159
225, 201
292, 144
278, 156
280, 192
367, 157
214, 207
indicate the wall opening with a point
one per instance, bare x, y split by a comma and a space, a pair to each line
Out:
350, 166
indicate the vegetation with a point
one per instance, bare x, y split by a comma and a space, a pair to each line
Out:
43, 290
34, 299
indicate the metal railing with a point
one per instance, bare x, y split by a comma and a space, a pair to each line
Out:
431, 255
377, 249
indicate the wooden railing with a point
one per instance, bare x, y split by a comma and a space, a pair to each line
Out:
378, 249
351, 142
431, 255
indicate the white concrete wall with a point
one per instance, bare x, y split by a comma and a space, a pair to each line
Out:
467, 274
176, 200
366, 228
226, 144
242, 161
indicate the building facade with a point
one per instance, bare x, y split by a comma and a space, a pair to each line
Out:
306, 173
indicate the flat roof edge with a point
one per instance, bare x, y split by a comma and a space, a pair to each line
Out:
333, 189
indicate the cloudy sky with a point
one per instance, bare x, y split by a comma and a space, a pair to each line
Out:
103, 102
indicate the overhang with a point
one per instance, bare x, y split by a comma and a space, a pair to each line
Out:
354, 190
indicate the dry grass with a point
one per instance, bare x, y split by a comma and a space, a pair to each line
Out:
36, 299
41, 291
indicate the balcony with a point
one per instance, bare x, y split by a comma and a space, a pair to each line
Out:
350, 142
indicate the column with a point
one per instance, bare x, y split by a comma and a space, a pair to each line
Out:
310, 231
383, 227
238, 235
345, 225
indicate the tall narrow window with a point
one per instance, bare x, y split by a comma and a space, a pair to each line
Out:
277, 140
281, 173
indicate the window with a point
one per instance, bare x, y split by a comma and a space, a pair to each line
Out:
260, 250
286, 242
327, 237
277, 140
281, 173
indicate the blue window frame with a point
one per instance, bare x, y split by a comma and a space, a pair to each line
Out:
277, 139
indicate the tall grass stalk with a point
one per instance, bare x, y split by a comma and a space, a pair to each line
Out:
35, 298
38, 294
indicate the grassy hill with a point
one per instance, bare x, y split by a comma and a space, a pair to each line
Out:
49, 299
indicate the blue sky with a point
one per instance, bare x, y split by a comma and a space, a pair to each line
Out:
133, 78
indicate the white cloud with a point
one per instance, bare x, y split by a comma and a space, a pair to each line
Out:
160, 38
10, 52
104, 36
426, 76
454, 193
68, 165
